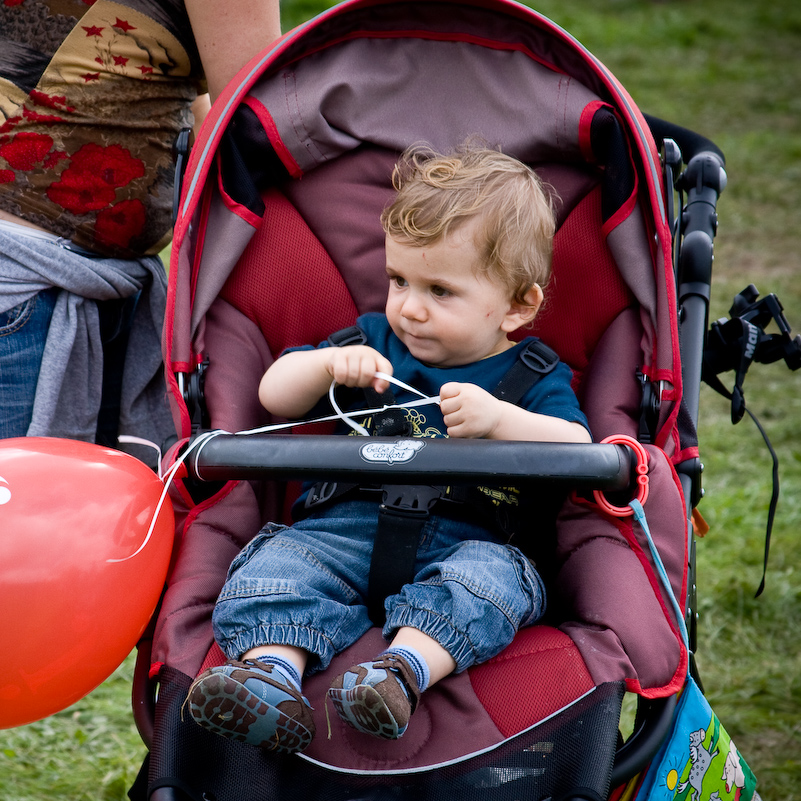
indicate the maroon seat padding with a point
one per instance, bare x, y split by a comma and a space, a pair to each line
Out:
586, 291
284, 269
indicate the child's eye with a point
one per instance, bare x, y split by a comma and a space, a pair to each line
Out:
398, 281
439, 291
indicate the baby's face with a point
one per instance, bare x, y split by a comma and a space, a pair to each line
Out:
441, 306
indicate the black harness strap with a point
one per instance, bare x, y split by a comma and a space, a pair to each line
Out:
353, 335
402, 514
535, 361
404, 509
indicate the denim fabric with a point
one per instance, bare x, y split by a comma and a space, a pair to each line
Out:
23, 331
306, 586
23, 334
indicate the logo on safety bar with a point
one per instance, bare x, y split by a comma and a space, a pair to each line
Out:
403, 450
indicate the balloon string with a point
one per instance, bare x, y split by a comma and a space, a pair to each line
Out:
167, 479
129, 440
204, 438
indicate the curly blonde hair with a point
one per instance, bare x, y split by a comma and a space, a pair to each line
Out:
438, 193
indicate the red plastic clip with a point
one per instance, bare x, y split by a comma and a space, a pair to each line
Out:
642, 476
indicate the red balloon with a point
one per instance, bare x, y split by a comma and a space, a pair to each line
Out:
81, 569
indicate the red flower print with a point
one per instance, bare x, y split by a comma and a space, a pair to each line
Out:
57, 102
80, 192
91, 76
47, 119
6, 176
10, 124
114, 165
92, 30
118, 225
25, 150
146, 70
51, 162
89, 183
99, 60
123, 25
120, 61
11, 4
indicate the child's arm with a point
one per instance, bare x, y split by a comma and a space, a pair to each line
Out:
296, 381
470, 411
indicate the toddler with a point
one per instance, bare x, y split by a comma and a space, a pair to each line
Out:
468, 250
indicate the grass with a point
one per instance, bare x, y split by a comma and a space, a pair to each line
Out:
89, 752
728, 70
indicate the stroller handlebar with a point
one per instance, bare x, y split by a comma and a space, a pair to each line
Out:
412, 461
691, 143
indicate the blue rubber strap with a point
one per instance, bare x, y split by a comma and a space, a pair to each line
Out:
639, 516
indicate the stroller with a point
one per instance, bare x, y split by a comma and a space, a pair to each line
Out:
278, 243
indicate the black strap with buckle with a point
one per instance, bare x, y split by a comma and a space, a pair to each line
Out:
534, 361
402, 514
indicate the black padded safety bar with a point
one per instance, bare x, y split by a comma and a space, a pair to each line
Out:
415, 461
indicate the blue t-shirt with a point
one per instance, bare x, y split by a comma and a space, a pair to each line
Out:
551, 395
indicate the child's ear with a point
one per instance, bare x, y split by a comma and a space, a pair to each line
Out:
521, 314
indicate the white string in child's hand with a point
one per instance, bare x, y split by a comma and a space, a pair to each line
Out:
360, 429
398, 383
346, 417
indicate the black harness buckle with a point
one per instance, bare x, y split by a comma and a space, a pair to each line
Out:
402, 514
539, 358
409, 500
320, 493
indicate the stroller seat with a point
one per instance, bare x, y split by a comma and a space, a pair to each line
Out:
285, 267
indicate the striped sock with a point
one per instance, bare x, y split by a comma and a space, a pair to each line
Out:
417, 663
283, 666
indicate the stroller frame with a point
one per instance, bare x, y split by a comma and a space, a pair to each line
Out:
599, 467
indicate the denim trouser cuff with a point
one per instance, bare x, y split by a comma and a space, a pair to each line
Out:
309, 640
437, 627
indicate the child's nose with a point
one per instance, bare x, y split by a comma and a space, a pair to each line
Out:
413, 307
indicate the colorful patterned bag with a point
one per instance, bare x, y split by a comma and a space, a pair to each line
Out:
698, 761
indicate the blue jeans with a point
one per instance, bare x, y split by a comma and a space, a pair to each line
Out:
306, 586
23, 331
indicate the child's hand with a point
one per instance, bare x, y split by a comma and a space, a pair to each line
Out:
468, 410
356, 366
